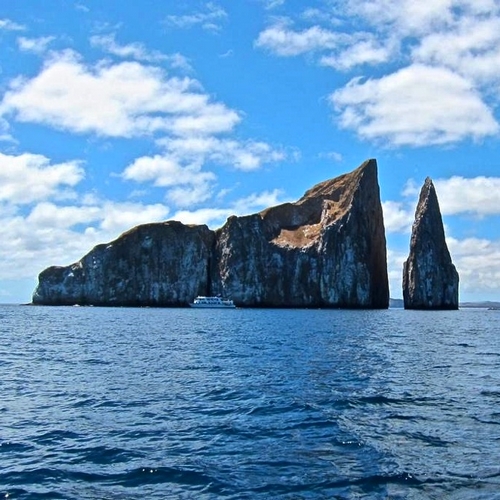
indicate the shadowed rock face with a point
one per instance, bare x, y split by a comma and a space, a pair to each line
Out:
430, 280
164, 264
326, 250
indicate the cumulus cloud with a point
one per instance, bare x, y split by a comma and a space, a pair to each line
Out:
478, 263
187, 185
415, 19
242, 155
215, 217
53, 234
36, 45
398, 217
367, 50
8, 25
471, 49
273, 4
210, 18
135, 50
28, 178
478, 195
138, 52
130, 99
441, 53
283, 41
117, 100
417, 105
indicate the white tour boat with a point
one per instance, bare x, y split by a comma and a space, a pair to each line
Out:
211, 302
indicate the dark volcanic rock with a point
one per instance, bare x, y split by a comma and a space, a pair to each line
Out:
326, 250
430, 280
164, 264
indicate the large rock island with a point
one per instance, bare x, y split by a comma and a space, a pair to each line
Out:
328, 249
430, 280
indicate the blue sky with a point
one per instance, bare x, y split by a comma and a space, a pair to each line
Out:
114, 114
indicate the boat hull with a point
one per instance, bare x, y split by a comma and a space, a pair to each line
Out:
209, 306
202, 302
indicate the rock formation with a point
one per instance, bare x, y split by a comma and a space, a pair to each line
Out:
162, 264
326, 250
430, 280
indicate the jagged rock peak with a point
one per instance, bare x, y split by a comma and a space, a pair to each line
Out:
430, 280
328, 249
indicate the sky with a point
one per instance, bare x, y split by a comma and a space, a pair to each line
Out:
114, 114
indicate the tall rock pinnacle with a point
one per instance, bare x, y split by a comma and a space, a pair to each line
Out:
430, 280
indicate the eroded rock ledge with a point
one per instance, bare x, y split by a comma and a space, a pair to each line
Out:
328, 249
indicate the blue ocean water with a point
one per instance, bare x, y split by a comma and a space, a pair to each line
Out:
101, 403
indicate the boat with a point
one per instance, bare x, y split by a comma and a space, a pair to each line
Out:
211, 302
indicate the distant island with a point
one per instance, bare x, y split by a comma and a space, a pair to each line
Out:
399, 303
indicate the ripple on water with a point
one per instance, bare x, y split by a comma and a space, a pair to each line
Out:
295, 404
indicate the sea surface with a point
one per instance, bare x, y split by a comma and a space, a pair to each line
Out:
102, 403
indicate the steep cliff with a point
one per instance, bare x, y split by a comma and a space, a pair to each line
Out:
430, 280
326, 250
164, 264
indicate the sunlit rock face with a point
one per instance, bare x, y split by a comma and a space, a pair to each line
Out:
430, 280
163, 264
326, 250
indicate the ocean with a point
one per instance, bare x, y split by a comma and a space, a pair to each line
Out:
103, 403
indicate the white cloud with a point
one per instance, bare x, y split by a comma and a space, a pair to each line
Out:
286, 42
398, 217
164, 171
190, 195
412, 19
242, 155
478, 264
478, 195
119, 217
215, 217
187, 185
135, 50
332, 155
59, 235
8, 25
471, 49
27, 178
118, 100
418, 105
273, 4
450, 50
49, 215
395, 261
138, 52
365, 51
179, 168
35, 45
209, 19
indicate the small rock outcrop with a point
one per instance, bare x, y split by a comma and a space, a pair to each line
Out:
430, 280
326, 250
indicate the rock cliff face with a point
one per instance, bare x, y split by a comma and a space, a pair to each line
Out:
430, 280
326, 250
164, 264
